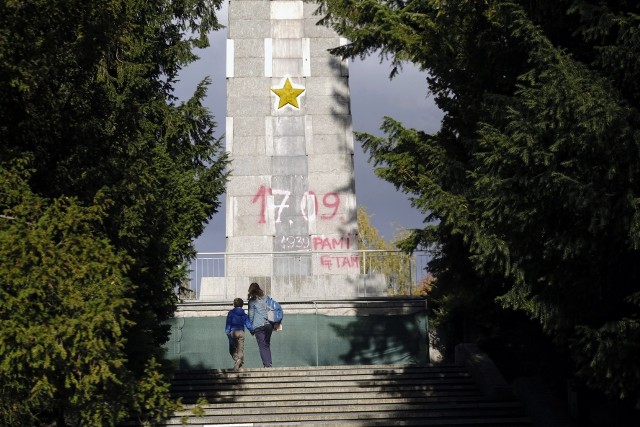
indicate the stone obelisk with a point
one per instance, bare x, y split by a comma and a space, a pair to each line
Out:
290, 200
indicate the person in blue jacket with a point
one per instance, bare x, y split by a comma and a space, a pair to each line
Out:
263, 328
237, 319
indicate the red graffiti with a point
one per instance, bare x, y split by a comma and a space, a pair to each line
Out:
330, 203
347, 261
326, 243
261, 195
333, 203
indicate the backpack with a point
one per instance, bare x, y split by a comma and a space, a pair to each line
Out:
274, 310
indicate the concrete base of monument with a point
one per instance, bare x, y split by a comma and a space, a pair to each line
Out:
327, 287
315, 333
345, 307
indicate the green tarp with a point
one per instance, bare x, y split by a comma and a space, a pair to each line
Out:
306, 340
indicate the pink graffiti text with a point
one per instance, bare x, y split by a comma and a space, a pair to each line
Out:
321, 243
339, 261
330, 203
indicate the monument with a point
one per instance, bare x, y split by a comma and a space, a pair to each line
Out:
291, 206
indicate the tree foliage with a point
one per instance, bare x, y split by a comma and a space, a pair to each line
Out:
118, 178
531, 185
385, 258
368, 235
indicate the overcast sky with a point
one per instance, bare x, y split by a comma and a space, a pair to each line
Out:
373, 96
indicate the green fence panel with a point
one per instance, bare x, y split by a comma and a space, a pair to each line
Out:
306, 340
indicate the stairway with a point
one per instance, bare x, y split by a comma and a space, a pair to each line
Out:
377, 395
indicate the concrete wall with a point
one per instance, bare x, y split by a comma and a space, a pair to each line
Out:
294, 288
292, 184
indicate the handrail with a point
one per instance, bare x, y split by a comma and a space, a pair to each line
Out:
402, 272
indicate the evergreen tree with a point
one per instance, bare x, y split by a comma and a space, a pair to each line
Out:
530, 186
117, 177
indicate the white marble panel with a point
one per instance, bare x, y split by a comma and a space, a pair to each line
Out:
288, 126
284, 67
230, 57
289, 165
306, 57
308, 133
229, 215
287, 48
287, 10
229, 134
288, 146
287, 29
268, 135
268, 57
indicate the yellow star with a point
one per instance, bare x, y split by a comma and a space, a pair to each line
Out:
288, 95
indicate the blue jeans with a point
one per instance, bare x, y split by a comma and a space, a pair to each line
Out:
263, 336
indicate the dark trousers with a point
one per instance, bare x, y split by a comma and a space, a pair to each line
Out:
263, 336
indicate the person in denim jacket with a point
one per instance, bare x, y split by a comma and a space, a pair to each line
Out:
262, 327
237, 319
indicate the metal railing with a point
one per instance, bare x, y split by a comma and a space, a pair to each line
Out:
404, 275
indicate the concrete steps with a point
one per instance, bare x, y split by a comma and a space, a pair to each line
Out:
375, 395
